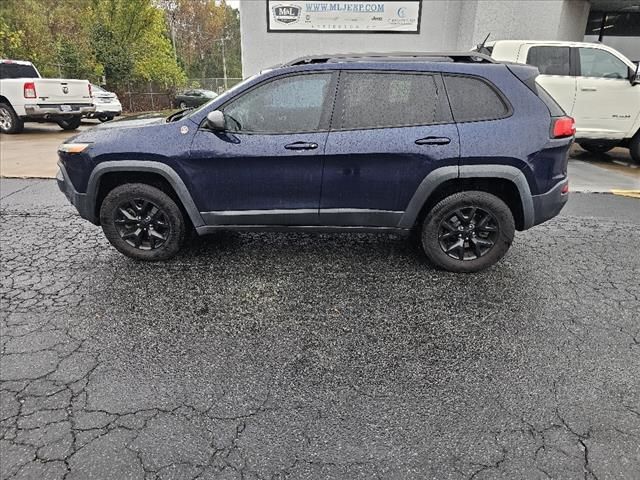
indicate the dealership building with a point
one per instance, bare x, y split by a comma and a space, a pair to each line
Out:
277, 31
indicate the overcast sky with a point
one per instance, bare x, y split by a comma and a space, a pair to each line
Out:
234, 3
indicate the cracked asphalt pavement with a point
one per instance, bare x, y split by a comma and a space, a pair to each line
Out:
271, 356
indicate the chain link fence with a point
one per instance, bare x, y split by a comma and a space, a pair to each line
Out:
144, 97
218, 85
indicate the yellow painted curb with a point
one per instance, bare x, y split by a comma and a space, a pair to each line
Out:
627, 193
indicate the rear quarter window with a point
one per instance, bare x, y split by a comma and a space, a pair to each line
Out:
473, 99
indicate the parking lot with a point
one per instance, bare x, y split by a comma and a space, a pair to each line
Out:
306, 356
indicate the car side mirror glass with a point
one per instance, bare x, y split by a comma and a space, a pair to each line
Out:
634, 77
215, 121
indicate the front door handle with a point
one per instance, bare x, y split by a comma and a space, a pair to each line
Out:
433, 141
589, 89
301, 146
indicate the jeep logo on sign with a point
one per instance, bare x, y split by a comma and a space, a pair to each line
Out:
286, 13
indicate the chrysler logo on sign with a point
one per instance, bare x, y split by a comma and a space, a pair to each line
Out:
286, 13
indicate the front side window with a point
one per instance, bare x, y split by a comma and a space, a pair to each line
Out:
373, 100
550, 60
285, 105
598, 63
473, 99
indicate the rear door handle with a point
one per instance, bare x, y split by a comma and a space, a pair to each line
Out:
589, 89
301, 146
433, 141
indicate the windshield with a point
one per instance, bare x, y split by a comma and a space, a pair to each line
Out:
17, 70
96, 88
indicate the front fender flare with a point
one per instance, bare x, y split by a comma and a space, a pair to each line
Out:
159, 168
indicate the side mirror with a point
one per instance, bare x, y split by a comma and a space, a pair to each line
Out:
634, 77
215, 121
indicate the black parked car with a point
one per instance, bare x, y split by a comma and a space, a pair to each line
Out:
194, 98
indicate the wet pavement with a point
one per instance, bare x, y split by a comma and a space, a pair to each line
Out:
33, 153
272, 356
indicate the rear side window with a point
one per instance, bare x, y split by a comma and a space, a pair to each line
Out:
473, 99
16, 70
550, 60
394, 99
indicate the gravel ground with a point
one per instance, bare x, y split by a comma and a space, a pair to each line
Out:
270, 356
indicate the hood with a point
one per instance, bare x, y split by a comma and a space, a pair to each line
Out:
119, 128
141, 120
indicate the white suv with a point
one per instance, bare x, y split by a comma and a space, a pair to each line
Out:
595, 84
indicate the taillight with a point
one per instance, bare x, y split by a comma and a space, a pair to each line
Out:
565, 189
29, 90
563, 127
90, 91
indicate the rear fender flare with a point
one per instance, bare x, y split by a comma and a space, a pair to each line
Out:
432, 181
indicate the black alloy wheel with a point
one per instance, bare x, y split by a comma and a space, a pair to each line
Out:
468, 233
142, 224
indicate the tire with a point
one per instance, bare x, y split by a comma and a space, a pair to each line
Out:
9, 121
487, 232
182, 106
69, 123
597, 148
105, 118
124, 216
634, 147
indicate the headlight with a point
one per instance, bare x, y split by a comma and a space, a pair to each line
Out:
73, 147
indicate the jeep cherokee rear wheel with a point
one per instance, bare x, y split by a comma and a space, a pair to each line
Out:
467, 231
142, 222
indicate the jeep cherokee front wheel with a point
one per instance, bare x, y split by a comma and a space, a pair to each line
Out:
142, 222
467, 231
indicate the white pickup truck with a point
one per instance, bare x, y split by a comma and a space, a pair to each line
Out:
27, 97
595, 84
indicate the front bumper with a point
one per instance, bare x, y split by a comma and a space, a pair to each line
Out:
58, 110
81, 201
549, 204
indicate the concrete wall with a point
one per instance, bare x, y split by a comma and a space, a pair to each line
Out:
445, 25
518, 20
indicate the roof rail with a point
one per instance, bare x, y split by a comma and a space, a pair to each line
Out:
463, 57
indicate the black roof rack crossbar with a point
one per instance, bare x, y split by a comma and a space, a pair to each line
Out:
464, 57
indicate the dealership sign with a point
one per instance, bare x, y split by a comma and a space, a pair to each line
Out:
344, 16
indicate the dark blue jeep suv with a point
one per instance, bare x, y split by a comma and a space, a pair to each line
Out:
456, 146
